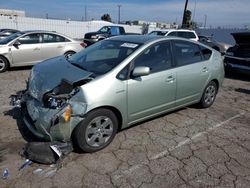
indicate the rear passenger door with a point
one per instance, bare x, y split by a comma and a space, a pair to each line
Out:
52, 45
192, 71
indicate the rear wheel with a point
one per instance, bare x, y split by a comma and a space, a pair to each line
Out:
96, 131
3, 64
209, 95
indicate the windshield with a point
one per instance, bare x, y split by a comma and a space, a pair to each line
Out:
161, 33
10, 38
103, 56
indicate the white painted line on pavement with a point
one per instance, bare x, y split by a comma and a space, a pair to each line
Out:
163, 153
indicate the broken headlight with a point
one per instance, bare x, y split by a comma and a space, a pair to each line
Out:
54, 102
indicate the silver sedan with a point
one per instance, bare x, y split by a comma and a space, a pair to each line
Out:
30, 47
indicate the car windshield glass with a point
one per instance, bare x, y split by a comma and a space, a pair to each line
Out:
10, 38
103, 56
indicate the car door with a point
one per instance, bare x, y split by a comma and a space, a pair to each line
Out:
27, 50
154, 93
52, 45
192, 73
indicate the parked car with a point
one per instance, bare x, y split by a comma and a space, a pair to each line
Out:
210, 41
184, 33
103, 33
30, 47
116, 83
237, 58
7, 32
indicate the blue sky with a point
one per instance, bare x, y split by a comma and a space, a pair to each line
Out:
228, 13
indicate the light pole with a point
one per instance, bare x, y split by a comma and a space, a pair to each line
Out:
119, 13
184, 13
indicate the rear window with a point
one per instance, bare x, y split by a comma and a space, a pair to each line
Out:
187, 35
206, 53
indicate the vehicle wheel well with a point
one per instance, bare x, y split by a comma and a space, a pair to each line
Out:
69, 52
116, 112
216, 82
6, 59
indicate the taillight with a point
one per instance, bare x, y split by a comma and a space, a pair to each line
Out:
83, 44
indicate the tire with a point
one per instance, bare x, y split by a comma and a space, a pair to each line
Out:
209, 95
69, 53
4, 65
96, 131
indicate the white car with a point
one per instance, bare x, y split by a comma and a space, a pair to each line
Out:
184, 33
30, 47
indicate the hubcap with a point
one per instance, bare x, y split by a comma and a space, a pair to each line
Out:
210, 94
2, 64
99, 131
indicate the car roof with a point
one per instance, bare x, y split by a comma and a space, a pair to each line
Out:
141, 39
166, 30
1, 30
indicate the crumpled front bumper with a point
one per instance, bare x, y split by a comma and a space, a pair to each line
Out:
49, 124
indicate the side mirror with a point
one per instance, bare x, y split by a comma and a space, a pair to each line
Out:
16, 43
140, 71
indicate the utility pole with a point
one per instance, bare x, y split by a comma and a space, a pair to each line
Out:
205, 22
119, 13
85, 8
184, 13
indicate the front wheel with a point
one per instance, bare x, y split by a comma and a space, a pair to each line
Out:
209, 95
3, 64
96, 131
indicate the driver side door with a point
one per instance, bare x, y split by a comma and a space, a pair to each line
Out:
28, 51
152, 94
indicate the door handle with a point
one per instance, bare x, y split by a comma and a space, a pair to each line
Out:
59, 46
205, 69
170, 79
37, 48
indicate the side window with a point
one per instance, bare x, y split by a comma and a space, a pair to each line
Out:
186, 53
30, 39
187, 35
157, 57
49, 38
123, 74
174, 33
206, 53
115, 31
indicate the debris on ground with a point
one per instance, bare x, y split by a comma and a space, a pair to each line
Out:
5, 174
47, 152
26, 163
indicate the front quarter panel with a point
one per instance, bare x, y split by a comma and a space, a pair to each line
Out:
107, 91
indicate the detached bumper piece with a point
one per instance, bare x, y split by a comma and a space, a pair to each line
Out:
47, 152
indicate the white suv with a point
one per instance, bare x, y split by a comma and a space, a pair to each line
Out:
184, 33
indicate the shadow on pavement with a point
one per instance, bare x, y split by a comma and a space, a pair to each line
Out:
238, 76
27, 135
20, 68
242, 90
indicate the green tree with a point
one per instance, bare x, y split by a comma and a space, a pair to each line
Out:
106, 17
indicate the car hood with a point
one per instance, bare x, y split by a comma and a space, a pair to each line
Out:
49, 74
241, 38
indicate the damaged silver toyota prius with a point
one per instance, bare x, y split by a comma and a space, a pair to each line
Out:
115, 83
